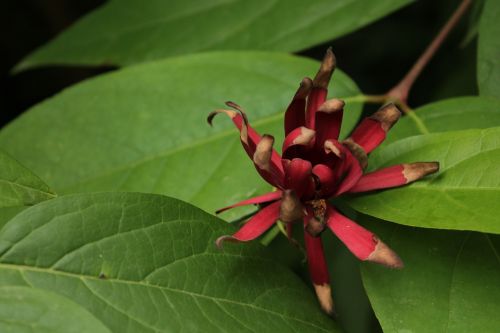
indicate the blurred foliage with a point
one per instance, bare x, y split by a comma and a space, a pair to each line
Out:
375, 56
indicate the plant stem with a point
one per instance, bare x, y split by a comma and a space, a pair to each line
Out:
402, 89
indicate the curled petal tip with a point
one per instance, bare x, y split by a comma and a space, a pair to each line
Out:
220, 241
332, 105
324, 294
239, 109
233, 105
415, 171
211, 115
387, 115
384, 255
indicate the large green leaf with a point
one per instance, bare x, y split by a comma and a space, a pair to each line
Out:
464, 195
129, 31
449, 283
19, 186
148, 263
448, 115
144, 129
488, 57
6, 213
24, 309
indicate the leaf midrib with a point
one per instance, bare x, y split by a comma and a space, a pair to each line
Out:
24, 268
29, 188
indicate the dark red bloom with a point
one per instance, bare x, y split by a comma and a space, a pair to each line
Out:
315, 166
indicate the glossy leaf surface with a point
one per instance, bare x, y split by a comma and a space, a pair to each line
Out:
449, 282
148, 263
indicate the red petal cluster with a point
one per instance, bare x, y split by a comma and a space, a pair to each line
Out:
315, 166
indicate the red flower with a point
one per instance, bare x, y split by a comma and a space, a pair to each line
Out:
315, 166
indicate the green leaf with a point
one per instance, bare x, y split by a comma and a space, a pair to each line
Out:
488, 57
127, 31
464, 195
24, 309
448, 115
148, 263
449, 282
144, 128
6, 213
19, 186
473, 19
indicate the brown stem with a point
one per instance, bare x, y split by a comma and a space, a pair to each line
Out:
402, 89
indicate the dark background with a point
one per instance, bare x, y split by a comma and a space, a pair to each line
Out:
376, 57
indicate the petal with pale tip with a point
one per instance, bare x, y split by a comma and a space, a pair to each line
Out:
318, 93
329, 120
394, 176
248, 136
324, 74
318, 270
383, 255
255, 227
418, 170
361, 242
371, 132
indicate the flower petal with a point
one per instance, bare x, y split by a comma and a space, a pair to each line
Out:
271, 196
296, 112
349, 172
320, 85
256, 226
298, 177
326, 180
291, 208
297, 142
357, 151
318, 270
249, 137
361, 242
328, 120
394, 176
267, 161
372, 130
